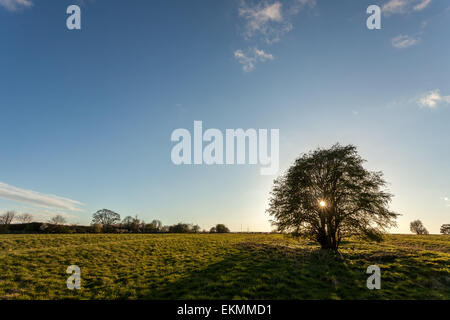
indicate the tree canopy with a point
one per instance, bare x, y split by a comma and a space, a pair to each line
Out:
183, 228
58, 219
417, 227
327, 195
105, 217
8, 217
221, 228
25, 218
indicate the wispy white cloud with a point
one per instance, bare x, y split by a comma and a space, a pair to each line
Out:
270, 20
447, 201
250, 58
15, 5
404, 41
394, 6
404, 6
37, 199
422, 5
432, 99
299, 4
265, 21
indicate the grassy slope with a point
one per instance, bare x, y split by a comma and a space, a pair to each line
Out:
229, 266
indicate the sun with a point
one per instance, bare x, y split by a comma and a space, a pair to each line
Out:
322, 203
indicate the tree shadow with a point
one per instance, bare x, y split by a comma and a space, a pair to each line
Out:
270, 271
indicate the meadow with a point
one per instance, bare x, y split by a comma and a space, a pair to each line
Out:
220, 266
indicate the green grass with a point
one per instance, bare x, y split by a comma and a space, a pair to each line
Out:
229, 266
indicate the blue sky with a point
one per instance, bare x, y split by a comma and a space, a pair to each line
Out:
87, 114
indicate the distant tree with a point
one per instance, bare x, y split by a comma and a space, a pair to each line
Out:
97, 227
445, 229
221, 228
418, 228
127, 222
58, 220
180, 228
149, 228
157, 224
133, 224
25, 218
153, 227
196, 228
327, 195
212, 230
136, 225
105, 217
142, 225
8, 217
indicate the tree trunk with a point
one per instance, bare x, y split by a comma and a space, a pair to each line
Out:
328, 241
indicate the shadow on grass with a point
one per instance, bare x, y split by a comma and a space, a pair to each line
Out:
275, 271
265, 271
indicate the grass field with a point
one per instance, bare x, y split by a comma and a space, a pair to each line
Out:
228, 266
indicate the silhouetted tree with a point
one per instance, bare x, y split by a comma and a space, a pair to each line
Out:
136, 225
417, 227
164, 229
212, 230
132, 224
157, 224
58, 220
445, 229
327, 195
221, 228
153, 227
142, 225
8, 217
150, 228
127, 221
180, 228
105, 217
196, 228
25, 218
97, 227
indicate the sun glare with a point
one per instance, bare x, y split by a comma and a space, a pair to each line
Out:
322, 204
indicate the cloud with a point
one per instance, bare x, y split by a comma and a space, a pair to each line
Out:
404, 41
299, 4
269, 20
433, 98
404, 6
394, 6
264, 19
447, 201
251, 58
37, 199
15, 5
422, 5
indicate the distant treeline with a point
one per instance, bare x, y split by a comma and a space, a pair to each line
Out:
103, 221
107, 221
42, 227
